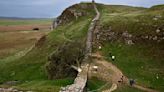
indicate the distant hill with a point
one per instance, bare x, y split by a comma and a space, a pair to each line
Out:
158, 7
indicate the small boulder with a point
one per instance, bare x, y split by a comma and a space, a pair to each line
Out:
155, 38
155, 19
147, 37
130, 42
157, 31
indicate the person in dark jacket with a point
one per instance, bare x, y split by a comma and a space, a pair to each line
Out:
131, 82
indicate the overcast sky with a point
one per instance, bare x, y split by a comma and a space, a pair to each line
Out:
52, 8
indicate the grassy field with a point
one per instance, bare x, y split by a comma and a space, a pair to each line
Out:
33, 64
17, 35
9, 22
144, 60
137, 62
141, 61
45, 85
31, 67
13, 42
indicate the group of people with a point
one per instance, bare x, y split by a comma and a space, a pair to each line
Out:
121, 79
131, 81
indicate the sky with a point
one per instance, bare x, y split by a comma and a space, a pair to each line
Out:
53, 8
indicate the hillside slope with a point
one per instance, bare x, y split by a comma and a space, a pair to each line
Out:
134, 35
31, 68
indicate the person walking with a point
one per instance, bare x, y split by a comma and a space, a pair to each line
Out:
131, 82
112, 56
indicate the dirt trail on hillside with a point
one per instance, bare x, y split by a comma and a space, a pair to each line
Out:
109, 72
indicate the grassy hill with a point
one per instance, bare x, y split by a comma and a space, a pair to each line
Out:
31, 67
142, 61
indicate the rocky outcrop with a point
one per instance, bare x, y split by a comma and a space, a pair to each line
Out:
110, 35
127, 37
73, 13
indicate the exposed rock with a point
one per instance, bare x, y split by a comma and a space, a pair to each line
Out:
97, 36
130, 42
12, 83
127, 38
158, 16
155, 38
11, 90
55, 24
147, 37
155, 19
71, 13
126, 34
157, 31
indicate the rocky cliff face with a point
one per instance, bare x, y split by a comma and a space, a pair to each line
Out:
73, 13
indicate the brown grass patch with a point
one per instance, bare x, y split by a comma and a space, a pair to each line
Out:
12, 42
4, 28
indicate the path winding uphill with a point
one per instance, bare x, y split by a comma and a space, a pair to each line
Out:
110, 72
103, 72
82, 76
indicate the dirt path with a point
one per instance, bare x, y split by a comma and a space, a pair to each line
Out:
143, 88
109, 72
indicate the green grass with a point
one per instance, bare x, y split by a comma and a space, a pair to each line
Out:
134, 20
44, 85
95, 84
143, 60
127, 89
31, 67
137, 62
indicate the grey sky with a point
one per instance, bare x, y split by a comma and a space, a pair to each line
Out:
52, 8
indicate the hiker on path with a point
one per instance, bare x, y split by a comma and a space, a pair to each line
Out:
112, 56
131, 82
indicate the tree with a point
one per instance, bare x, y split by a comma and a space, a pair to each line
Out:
61, 61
